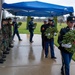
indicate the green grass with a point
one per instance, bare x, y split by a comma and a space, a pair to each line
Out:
23, 30
58, 27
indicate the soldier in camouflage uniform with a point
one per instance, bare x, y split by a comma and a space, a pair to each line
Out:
5, 33
10, 32
1, 37
1, 48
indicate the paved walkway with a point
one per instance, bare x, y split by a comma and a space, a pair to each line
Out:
28, 59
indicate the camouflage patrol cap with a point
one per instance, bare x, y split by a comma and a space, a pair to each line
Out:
4, 19
9, 18
71, 18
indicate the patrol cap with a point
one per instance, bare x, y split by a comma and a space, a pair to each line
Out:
9, 18
45, 20
71, 18
15, 17
32, 17
50, 19
4, 19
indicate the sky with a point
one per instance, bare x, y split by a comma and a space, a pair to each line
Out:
58, 2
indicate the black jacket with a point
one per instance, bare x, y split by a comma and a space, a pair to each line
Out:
43, 28
63, 31
30, 26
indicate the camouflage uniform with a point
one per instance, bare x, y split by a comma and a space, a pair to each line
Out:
1, 44
5, 32
10, 33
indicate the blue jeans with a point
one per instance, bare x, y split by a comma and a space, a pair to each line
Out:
66, 61
51, 44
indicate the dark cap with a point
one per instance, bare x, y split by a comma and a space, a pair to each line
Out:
45, 20
4, 19
15, 17
50, 19
32, 17
9, 18
71, 18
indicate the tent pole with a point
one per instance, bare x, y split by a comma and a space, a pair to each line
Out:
1, 2
3, 11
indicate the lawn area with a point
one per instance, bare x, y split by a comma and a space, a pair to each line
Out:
22, 30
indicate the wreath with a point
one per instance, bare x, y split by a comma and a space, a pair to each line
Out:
69, 38
35, 24
19, 23
49, 33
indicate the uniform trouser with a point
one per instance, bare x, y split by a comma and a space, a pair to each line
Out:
66, 62
6, 41
10, 39
6, 44
51, 44
1, 50
43, 41
31, 36
17, 33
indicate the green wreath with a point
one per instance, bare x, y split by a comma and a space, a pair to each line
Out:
19, 23
49, 33
35, 24
69, 37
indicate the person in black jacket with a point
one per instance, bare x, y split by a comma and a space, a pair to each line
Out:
31, 29
49, 42
42, 33
15, 29
66, 56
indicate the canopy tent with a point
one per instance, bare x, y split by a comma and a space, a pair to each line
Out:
36, 8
